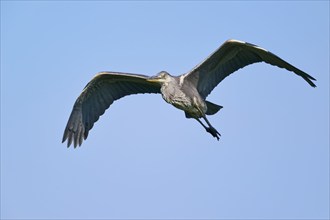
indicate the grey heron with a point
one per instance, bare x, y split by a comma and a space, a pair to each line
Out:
187, 92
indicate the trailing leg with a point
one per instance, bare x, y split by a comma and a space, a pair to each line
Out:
209, 129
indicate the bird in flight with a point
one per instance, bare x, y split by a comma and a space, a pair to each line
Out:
187, 92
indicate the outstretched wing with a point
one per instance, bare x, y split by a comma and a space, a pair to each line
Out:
228, 58
97, 96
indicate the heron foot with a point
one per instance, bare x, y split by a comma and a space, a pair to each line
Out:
213, 132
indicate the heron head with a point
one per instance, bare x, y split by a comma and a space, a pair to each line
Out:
161, 77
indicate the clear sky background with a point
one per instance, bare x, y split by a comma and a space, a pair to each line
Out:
143, 158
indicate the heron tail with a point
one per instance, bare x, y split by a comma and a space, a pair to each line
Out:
212, 108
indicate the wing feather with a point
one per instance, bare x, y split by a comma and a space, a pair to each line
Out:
97, 96
230, 57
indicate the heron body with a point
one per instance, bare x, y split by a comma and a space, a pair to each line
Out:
187, 92
173, 92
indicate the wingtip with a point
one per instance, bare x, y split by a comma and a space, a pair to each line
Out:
74, 138
310, 80
68, 143
64, 138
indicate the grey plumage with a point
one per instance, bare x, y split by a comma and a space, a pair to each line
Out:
187, 92
97, 96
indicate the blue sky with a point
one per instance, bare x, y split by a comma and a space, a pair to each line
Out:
143, 159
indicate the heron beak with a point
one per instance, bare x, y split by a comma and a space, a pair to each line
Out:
155, 79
